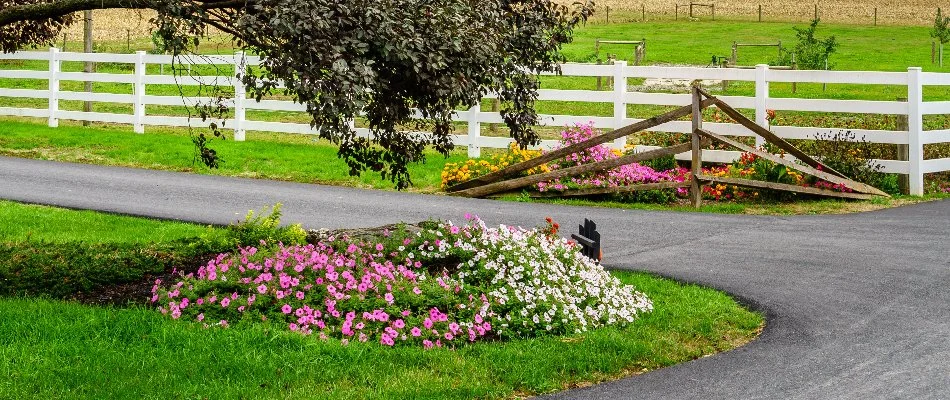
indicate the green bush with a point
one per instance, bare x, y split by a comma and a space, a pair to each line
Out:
843, 153
62, 270
57, 270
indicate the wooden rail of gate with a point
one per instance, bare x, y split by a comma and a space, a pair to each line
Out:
507, 180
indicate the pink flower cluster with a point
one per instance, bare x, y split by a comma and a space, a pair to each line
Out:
362, 293
621, 176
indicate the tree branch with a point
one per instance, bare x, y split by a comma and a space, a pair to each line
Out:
43, 11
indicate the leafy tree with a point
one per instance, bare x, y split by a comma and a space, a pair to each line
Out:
941, 31
810, 52
382, 59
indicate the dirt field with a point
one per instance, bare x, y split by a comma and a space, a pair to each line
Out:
906, 12
115, 25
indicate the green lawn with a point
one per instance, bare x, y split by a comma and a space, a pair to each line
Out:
56, 349
52, 349
270, 156
24, 222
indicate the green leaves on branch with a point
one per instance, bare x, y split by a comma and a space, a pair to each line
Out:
941, 29
810, 52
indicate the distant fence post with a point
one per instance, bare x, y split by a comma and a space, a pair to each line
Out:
474, 132
620, 101
761, 99
240, 94
54, 67
915, 125
138, 93
903, 150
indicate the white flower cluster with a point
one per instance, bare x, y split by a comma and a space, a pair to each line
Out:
537, 283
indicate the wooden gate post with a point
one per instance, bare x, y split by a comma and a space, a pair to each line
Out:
903, 150
696, 187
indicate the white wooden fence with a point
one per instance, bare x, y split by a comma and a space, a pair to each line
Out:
914, 79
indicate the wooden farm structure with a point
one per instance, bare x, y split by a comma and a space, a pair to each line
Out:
508, 180
692, 6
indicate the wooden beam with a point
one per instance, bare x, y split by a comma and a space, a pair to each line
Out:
610, 190
785, 187
854, 185
696, 187
518, 183
545, 158
769, 136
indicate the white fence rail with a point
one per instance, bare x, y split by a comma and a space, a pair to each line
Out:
914, 108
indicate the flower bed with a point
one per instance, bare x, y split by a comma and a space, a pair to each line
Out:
445, 285
748, 166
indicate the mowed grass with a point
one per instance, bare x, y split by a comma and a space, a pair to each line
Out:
269, 156
20, 222
53, 350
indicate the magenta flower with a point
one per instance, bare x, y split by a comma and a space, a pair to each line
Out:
225, 301
286, 309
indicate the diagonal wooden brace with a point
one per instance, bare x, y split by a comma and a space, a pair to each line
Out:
577, 147
517, 183
851, 184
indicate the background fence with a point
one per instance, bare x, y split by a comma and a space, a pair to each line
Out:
913, 138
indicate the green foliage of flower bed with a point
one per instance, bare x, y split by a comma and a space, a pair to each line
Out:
51, 349
444, 285
37, 261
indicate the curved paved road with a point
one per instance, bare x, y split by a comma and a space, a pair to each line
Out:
858, 305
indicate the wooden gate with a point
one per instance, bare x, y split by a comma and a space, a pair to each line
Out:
507, 179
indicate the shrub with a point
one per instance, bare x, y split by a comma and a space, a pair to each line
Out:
810, 51
56, 270
455, 173
843, 153
621, 176
38, 268
445, 285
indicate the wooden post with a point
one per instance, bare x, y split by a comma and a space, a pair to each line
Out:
600, 79
240, 96
735, 53
676, 14
816, 10
714, 11
824, 86
761, 99
88, 66
620, 102
760, 13
903, 150
138, 93
696, 187
875, 16
494, 108
474, 132
643, 13
794, 67
608, 14
915, 122
54, 68
691, 9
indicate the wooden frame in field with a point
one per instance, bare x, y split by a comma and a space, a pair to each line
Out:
506, 180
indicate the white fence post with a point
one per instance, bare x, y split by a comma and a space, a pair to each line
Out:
915, 125
620, 102
54, 67
240, 94
474, 132
761, 99
138, 93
